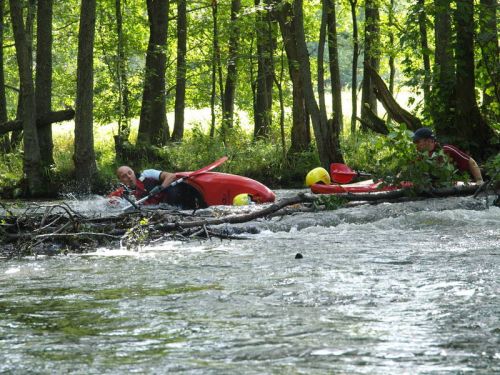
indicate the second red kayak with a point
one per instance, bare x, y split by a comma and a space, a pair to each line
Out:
367, 186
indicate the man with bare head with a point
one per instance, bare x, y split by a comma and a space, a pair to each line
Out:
141, 184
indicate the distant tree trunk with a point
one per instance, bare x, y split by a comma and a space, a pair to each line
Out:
392, 67
31, 160
322, 130
43, 79
469, 124
153, 122
300, 132
180, 82
424, 43
371, 56
123, 91
321, 60
232, 71
84, 157
337, 116
442, 101
17, 136
265, 51
488, 41
354, 72
3, 98
215, 47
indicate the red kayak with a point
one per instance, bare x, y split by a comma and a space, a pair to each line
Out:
367, 186
221, 188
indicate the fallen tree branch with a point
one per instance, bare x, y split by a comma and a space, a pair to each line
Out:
45, 120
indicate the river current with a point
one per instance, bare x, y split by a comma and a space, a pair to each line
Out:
403, 288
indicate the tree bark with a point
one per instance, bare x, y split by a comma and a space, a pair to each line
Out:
392, 107
31, 159
471, 128
180, 81
442, 101
152, 123
488, 42
41, 121
424, 43
43, 79
336, 86
232, 66
371, 55
3, 98
300, 137
354, 70
84, 157
265, 74
121, 66
322, 130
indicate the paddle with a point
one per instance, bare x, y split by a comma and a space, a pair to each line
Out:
159, 189
342, 174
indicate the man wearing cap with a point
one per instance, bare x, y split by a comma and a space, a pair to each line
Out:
424, 139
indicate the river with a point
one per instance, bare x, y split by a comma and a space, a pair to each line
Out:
403, 288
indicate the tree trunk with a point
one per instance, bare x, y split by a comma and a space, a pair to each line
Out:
43, 93
84, 157
442, 103
371, 55
4, 141
471, 128
180, 82
31, 161
213, 91
424, 43
152, 123
488, 42
322, 131
300, 138
232, 71
354, 70
121, 66
265, 51
337, 117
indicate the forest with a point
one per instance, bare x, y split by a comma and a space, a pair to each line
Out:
280, 87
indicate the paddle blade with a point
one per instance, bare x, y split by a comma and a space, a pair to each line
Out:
341, 173
209, 167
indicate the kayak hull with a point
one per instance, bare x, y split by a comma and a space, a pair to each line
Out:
221, 188
367, 186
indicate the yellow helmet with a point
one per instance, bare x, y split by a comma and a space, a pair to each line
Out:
242, 199
317, 175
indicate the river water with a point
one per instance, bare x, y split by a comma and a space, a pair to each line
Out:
405, 288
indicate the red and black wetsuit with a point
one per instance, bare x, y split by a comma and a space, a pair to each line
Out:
182, 195
459, 158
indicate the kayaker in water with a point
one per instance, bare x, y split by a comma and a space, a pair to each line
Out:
140, 185
424, 139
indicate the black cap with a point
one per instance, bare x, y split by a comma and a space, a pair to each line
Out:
423, 133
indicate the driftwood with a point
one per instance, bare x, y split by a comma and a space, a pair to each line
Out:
56, 229
44, 120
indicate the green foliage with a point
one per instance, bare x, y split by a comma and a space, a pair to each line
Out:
405, 163
492, 167
395, 159
329, 202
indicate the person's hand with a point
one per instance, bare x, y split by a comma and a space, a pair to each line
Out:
114, 201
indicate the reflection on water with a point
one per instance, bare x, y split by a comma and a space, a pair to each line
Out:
389, 289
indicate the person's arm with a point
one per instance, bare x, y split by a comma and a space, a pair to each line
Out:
167, 178
475, 171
